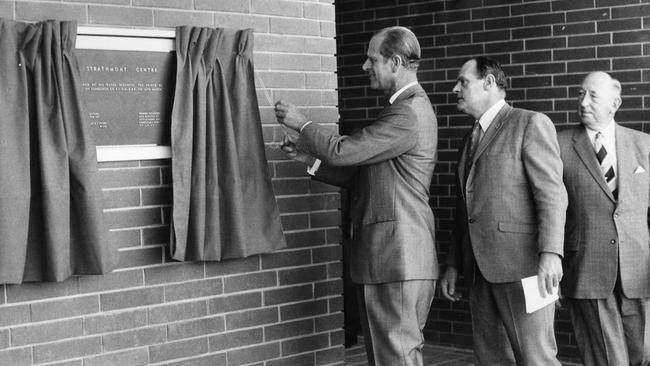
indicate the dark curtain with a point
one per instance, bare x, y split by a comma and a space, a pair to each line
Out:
223, 204
50, 201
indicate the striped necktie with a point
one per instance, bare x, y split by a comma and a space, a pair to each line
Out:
474, 139
605, 162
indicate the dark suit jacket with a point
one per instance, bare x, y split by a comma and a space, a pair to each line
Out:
513, 205
604, 235
388, 165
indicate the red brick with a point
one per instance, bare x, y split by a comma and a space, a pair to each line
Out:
72, 348
5, 340
155, 235
131, 298
134, 338
180, 349
16, 357
277, 7
304, 344
125, 238
64, 308
328, 356
236, 339
133, 218
225, 304
249, 281
111, 281
175, 312
116, 198
175, 272
37, 11
195, 327
232, 266
302, 275
328, 288
303, 310
41, 290
114, 178
286, 259
295, 222
329, 253
46, 332
251, 318
288, 294
241, 21
299, 360
171, 18
134, 357
305, 238
181, 291
163, 4
329, 322
137, 257
7, 9
11, 315
115, 321
253, 354
120, 16
288, 329
209, 360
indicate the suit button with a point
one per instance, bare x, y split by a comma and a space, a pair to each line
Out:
613, 241
471, 221
616, 215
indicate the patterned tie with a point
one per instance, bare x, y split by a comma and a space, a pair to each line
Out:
474, 139
605, 162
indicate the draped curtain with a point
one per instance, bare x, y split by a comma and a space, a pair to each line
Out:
223, 202
50, 201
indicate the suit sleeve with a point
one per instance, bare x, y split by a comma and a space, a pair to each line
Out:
339, 176
543, 167
392, 134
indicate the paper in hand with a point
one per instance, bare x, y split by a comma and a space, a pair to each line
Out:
534, 300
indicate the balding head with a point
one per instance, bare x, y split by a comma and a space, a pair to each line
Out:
599, 99
400, 41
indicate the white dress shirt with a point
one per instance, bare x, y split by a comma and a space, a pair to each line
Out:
609, 136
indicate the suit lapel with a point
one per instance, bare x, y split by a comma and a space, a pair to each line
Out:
625, 164
461, 163
493, 131
585, 151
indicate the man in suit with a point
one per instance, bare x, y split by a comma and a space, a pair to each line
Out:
509, 220
388, 167
606, 256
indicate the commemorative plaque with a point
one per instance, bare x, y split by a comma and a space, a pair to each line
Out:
128, 94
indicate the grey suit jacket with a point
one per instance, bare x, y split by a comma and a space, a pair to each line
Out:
388, 165
513, 205
604, 235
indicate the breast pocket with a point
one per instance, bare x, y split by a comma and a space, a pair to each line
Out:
381, 194
517, 227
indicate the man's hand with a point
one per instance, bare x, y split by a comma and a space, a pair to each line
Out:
288, 115
288, 145
549, 272
448, 284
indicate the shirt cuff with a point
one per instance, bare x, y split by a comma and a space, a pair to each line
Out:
303, 127
314, 168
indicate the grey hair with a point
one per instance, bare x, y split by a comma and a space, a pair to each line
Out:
401, 42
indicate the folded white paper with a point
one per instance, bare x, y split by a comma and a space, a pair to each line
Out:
534, 300
639, 170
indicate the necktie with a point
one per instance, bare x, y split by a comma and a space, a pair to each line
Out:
605, 162
474, 139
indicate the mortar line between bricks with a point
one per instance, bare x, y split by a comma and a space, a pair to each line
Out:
148, 186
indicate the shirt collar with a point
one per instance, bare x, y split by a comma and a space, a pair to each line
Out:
487, 117
397, 93
608, 132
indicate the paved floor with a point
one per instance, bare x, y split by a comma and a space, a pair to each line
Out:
433, 356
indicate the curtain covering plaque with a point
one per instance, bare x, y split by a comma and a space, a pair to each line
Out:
50, 201
223, 202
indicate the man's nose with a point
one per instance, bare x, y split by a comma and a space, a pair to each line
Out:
455, 89
365, 66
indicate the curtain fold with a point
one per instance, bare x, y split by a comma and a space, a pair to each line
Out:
50, 200
223, 202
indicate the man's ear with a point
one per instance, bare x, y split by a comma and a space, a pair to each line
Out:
489, 81
397, 61
616, 104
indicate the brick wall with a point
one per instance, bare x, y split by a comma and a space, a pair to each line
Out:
547, 48
282, 308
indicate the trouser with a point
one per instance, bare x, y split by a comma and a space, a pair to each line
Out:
612, 331
503, 333
393, 315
